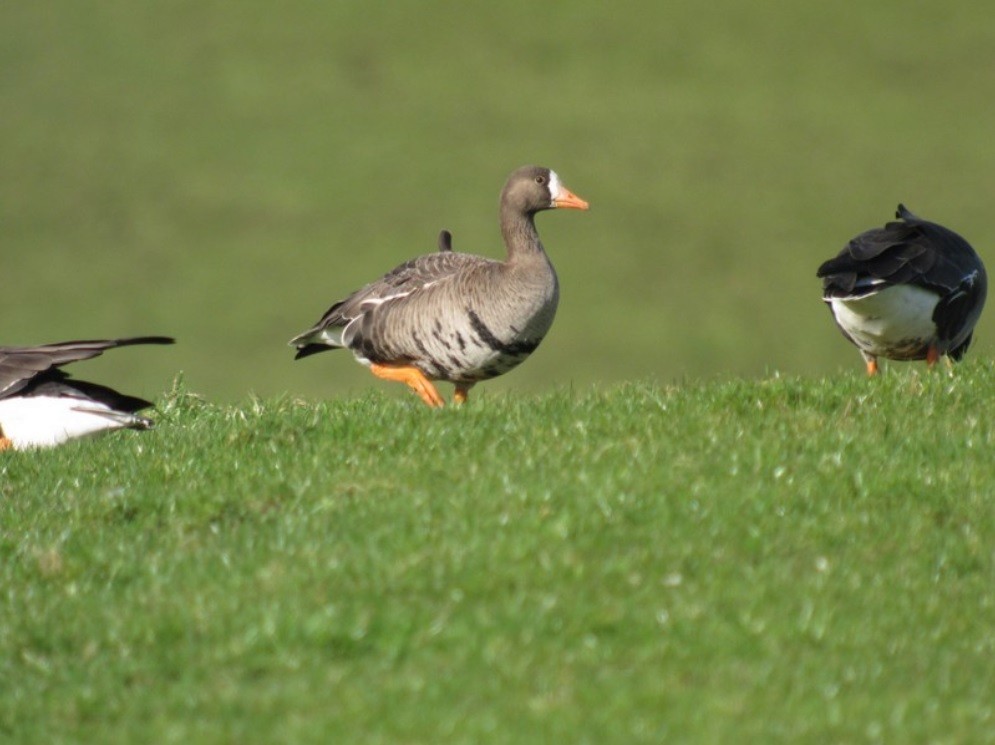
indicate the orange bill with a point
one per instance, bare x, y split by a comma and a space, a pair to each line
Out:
567, 199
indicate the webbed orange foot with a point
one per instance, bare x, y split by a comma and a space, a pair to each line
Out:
932, 355
413, 378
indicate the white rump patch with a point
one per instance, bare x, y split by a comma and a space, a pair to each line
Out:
45, 421
332, 336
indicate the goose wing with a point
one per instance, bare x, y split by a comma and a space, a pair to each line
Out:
912, 251
19, 366
409, 280
56, 383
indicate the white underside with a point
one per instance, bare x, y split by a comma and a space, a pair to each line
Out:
889, 320
45, 421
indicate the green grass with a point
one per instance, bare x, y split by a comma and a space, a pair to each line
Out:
782, 560
574, 557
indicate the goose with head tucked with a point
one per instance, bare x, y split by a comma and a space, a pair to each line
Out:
42, 406
451, 316
912, 290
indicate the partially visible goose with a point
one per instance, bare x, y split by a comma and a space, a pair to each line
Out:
454, 316
911, 290
41, 406
445, 241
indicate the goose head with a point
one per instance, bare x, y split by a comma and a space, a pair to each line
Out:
531, 189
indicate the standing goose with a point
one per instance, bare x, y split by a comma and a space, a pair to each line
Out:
911, 290
41, 406
454, 316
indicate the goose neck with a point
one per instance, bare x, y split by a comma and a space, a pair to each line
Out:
520, 235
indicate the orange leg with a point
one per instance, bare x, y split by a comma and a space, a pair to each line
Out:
462, 390
872, 366
5, 444
932, 355
413, 378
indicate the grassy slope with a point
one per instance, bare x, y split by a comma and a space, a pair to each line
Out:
785, 560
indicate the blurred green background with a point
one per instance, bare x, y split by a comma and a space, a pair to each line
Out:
224, 171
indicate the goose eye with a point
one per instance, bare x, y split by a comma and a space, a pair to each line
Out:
540, 179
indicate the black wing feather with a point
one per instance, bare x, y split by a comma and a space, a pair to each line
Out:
913, 251
58, 383
20, 365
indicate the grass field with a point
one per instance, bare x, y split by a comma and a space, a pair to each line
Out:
783, 560
687, 518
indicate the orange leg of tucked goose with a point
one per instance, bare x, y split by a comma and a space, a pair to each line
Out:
872, 366
413, 378
462, 391
5, 444
932, 355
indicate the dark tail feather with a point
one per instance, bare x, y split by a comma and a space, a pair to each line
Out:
308, 349
146, 340
903, 213
111, 343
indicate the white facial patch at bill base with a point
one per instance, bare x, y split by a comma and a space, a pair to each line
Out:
555, 187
